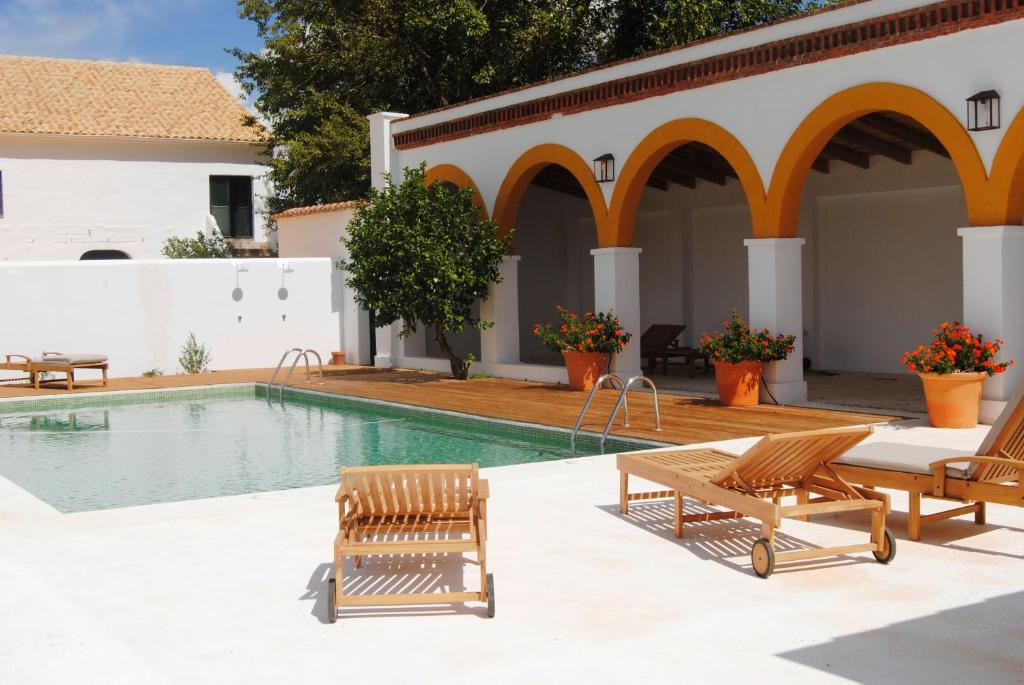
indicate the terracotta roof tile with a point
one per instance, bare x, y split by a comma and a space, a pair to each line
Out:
86, 98
316, 209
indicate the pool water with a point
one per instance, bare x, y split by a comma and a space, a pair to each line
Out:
96, 457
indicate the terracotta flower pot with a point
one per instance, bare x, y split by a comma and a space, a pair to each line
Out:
738, 383
584, 368
953, 399
337, 358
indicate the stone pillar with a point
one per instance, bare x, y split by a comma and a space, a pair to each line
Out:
500, 343
382, 161
994, 303
776, 303
617, 290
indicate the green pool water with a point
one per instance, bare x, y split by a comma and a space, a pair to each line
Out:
146, 449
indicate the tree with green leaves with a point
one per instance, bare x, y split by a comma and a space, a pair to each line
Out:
423, 255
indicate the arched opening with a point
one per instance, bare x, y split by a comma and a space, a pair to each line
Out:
554, 234
103, 254
1007, 181
882, 198
689, 195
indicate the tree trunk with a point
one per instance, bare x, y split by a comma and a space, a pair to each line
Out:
460, 367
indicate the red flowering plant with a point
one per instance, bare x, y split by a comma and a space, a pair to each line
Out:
588, 333
955, 349
740, 344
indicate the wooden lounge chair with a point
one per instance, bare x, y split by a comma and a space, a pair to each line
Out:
992, 474
420, 509
657, 341
66, 364
754, 483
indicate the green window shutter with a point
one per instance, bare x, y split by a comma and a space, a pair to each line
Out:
241, 206
220, 203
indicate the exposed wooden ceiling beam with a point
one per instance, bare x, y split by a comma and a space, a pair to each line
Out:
710, 158
550, 183
657, 182
673, 176
925, 141
820, 165
849, 134
845, 154
683, 165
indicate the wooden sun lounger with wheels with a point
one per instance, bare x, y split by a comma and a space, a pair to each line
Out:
410, 509
55, 362
754, 483
992, 474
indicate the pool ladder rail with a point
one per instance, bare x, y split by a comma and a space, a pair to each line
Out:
300, 354
623, 387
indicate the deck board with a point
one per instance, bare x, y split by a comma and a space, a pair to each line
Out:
685, 420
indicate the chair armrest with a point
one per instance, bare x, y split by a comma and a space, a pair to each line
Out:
20, 356
939, 469
340, 496
484, 490
45, 352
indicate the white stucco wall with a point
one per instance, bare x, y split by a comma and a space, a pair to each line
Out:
64, 196
139, 313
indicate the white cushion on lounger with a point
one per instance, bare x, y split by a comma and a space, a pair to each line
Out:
893, 456
72, 358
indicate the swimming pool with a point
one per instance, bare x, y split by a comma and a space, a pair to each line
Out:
83, 453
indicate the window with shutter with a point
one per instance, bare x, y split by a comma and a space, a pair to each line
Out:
231, 205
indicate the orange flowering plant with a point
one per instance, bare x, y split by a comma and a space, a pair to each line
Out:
740, 344
588, 333
955, 349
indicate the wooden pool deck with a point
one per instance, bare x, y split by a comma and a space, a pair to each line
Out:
685, 420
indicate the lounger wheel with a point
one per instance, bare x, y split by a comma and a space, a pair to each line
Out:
762, 556
332, 600
888, 551
490, 595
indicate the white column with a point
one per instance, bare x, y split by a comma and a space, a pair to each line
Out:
383, 161
617, 290
994, 303
776, 303
382, 147
500, 343
416, 344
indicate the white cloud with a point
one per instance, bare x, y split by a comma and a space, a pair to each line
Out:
59, 28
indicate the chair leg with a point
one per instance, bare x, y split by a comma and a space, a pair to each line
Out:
71, 379
979, 513
914, 517
104, 376
482, 557
678, 497
802, 497
768, 532
623, 493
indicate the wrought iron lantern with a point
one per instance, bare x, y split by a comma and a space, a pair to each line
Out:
983, 111
604, 168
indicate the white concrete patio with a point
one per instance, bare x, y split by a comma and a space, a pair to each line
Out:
230, 590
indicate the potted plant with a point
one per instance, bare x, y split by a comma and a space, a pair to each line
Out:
739, 356
586, 343
952, 368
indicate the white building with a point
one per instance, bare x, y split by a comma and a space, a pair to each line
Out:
108, 159
819, 174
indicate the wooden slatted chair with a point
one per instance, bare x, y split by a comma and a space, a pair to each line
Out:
754, 483
656, 343
992, 474
410, 509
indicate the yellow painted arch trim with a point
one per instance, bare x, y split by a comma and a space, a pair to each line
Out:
621, 226
1007, 179
819, 126
455, 175
518, 178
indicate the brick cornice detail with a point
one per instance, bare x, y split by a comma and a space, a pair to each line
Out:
922, 23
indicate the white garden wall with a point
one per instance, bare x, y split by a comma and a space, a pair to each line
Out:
139, 313
64, 196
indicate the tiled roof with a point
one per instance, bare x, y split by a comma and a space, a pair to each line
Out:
316, 209
86, 98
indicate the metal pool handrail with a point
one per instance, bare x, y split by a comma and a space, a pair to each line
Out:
622, 399
612, 378
302, 354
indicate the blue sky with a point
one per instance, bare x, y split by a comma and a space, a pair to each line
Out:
189, 32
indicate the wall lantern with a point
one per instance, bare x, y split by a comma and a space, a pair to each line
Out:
604, 168
983, 111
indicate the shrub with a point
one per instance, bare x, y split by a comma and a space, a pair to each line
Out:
589, 333
740, 344
200, 247
195, 356
153, 372
954, 349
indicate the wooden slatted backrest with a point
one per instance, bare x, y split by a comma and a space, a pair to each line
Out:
659, 336
1005, 436
439, 489
789, 457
